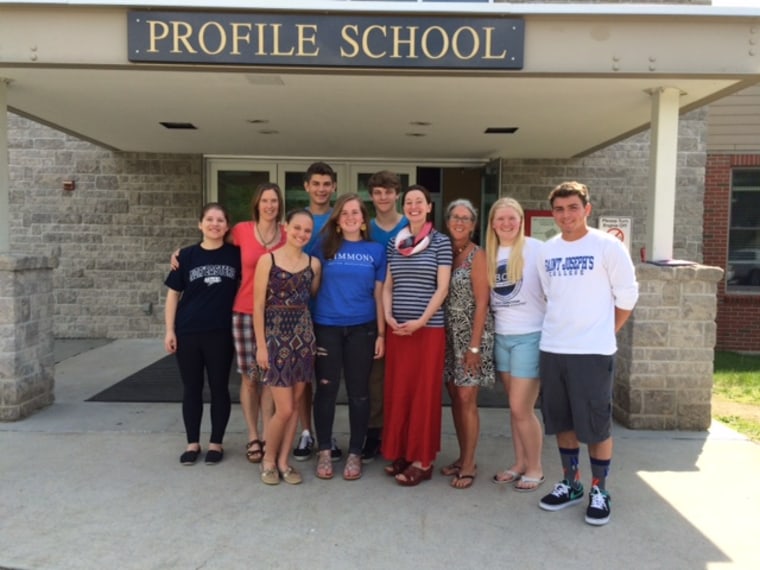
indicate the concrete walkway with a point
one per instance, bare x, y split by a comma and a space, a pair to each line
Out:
96, 485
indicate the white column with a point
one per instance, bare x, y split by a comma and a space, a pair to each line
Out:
663, 155
5, 199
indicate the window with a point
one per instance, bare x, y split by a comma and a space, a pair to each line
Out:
743, 268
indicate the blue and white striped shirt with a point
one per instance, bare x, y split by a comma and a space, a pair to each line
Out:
415, 278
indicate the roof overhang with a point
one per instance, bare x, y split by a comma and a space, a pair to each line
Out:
586, 81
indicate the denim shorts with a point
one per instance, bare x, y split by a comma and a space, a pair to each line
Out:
517, 354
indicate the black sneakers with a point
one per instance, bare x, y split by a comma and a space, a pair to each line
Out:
563, 495
598, 511
302, 452
336, 454
371, 449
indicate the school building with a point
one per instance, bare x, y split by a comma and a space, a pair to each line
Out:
119, 120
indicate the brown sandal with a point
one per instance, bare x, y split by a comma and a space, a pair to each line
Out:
254, 455
398, 466
413, 476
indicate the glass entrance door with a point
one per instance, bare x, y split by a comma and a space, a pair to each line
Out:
233, 182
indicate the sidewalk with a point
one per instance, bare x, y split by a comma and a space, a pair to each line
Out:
87, 485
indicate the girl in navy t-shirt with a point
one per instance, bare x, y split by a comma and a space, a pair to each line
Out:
198, 320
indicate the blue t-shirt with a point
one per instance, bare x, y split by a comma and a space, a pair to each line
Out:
319, 222
208, 280
379, 235
346, 296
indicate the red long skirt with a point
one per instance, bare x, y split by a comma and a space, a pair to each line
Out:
412, 400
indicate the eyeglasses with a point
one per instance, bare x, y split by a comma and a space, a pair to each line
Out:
463, 219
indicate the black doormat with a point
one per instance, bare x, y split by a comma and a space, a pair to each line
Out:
160, 382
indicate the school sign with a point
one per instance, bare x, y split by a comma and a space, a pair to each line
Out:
319, 40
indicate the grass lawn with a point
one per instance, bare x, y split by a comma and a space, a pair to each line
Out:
736, 392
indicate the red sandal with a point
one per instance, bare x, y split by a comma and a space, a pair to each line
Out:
414, 476
398, 466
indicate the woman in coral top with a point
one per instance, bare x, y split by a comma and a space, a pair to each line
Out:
264, 233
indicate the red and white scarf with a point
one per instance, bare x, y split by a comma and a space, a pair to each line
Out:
407, 244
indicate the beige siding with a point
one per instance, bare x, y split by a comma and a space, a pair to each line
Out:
734, 123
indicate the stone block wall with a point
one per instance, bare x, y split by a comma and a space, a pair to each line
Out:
664, 373
26, 339
112, 235
618, 181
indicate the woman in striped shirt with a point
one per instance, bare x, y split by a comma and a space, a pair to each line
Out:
416, 285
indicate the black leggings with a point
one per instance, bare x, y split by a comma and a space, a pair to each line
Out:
212, 352
349, 350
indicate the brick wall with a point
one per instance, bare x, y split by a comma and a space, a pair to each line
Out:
738, 313
618, 180
112, 235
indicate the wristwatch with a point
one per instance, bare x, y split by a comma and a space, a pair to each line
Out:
474, 349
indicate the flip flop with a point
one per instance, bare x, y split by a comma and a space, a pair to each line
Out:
451, 469
511, 477
469, 480
535, 481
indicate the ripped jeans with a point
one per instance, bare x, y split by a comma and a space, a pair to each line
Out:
349, 350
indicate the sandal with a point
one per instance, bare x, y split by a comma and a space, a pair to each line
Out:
413, 476
532, 483
353, 469
398, 466
506, 477
463, 481
324, 465
254, 455
451, 469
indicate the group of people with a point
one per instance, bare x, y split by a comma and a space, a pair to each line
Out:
394, 307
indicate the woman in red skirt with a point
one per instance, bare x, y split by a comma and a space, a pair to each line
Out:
417, 282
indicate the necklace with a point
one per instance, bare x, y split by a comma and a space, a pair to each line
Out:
267, 242
458, 250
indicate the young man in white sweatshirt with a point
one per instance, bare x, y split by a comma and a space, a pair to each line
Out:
590, 286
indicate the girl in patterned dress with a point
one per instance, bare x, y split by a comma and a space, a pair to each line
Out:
285, 347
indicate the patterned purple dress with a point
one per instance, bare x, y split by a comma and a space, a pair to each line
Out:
288, 327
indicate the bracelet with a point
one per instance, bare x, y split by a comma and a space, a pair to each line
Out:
380, 335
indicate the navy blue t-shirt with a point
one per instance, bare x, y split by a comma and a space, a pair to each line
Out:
208, 280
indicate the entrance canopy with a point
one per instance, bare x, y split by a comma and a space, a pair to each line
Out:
585, 82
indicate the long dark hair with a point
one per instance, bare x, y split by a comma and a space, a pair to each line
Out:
330, 235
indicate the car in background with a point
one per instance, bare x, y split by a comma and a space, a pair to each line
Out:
744, 267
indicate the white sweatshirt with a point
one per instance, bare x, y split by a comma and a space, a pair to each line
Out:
584, 280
